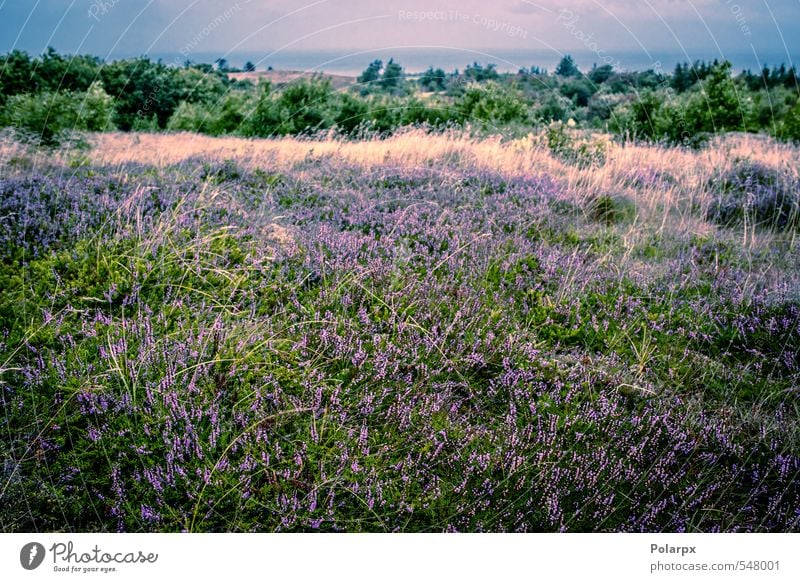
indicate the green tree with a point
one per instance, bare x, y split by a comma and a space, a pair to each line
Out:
351, 113
567, 67
305, 106
392, 77
601, 74
141, 89
17, 75
478, 73
579, 90
790, 127
433, 80
265, 117
71, 73
372, 73
645, 112
717, 107
682, 78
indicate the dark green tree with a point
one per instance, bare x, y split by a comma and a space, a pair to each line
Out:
351, 113
141, 89
70, 73
601, 74
478, 73
305, 106
372, 73
392, 77
645, 111
579, 90
433, 80
567, 67
717, 107
682, 78
17, 75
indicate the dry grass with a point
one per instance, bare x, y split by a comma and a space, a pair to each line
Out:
687, 176
671, 203
416, 148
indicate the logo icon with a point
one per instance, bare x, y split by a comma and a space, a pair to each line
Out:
31, 555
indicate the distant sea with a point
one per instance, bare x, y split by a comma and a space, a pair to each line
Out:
416, 60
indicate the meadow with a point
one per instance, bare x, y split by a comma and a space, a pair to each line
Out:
425, 332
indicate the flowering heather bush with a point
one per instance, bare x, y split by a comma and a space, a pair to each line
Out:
758, 195
216, 347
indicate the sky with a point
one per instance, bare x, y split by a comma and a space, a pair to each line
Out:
601, 29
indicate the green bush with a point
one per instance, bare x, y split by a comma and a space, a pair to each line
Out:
569, 146
351, 113
790, 127
717, 107
48, 116
305, 106
492, 103
224, 117
265, 116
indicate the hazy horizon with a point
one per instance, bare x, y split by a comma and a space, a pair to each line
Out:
344, 36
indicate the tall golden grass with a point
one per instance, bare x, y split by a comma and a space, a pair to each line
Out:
670, 205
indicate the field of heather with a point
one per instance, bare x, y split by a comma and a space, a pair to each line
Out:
421, 333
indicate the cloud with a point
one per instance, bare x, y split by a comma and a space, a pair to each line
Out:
164, 26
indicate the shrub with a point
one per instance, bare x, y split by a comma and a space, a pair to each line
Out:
265, 116
564, 144
790, 127
433, 80
491, 103
351, 114
188, 117
47, 117
755, 194
717, 107
305, 106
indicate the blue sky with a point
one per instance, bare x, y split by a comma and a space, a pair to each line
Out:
116, 28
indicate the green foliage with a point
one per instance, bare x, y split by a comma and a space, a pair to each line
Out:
67, 73
265, 116
567, 144
696, 101
555, 108
17, 75
567, 67
579, 91
305, 106
478, 73
372, 73
644, 116
433, 80
143, 88
351, 113
601, 74
491, 103
717, 107
790, 127
392, 77
47, 117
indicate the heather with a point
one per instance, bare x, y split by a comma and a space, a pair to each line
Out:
426, 333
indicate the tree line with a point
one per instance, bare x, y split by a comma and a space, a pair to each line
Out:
51, 95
